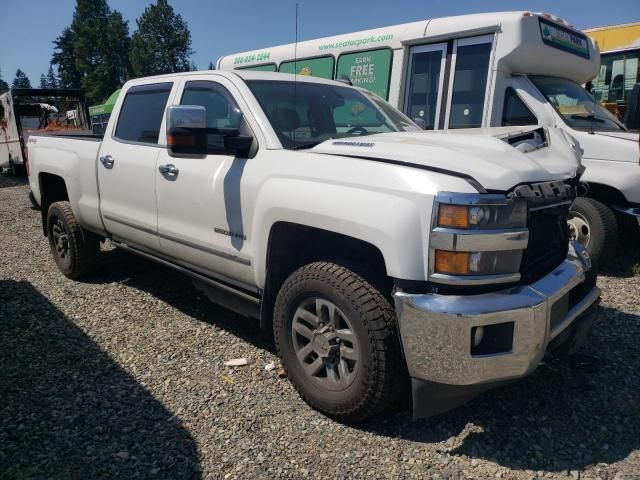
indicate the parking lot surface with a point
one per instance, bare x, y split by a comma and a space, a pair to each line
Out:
121, 375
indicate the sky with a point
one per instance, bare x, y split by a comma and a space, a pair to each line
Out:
219, 27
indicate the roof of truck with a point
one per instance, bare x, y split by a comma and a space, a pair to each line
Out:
243, 74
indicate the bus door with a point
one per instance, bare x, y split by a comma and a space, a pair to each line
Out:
425, 84
448, 83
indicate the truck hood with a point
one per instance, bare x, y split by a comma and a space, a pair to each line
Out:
488, 159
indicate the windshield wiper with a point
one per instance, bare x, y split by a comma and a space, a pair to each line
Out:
303, 146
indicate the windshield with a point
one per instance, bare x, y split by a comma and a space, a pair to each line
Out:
305, 114
579, 108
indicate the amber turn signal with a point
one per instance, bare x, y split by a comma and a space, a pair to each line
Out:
181, 140
456, 216
452, 263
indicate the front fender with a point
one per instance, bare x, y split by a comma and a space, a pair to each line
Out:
396, 225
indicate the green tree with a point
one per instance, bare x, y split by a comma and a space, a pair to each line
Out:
101, 48
51, 81
21, 80
64, 58
211, 66
161, 43
4, 86
43, 81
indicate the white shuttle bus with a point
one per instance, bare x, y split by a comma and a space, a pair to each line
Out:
487, 70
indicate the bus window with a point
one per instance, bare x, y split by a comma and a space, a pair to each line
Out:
515, 111
469, 85
618, 74
267, 67
370, 69
423, 93
317, 67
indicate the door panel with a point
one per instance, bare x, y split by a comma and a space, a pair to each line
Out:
200, 215
425, 83
127, 166
468, 88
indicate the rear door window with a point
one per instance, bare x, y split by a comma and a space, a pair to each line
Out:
142, 112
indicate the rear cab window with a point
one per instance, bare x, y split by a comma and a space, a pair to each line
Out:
142, 112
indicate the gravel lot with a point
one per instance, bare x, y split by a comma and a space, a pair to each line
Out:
122, 376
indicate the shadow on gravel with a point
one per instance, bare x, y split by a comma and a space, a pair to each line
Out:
567, 415
178, 291
7, 180
68, 411
626, 262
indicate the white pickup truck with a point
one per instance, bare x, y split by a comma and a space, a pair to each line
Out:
377, 253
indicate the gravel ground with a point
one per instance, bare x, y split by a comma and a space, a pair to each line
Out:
122, 376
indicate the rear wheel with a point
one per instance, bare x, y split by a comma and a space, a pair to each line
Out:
336, 336
594, 225
74, 249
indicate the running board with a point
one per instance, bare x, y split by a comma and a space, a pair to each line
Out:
218, 292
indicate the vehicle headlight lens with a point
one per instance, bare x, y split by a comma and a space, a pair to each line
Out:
478, 238
510, 215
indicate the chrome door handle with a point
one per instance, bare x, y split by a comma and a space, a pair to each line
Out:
169, 168
107, 161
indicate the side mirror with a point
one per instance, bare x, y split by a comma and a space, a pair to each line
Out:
188, 134
186, 126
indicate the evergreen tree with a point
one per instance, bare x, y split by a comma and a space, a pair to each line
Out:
43, 81
101, 48
21, 80
161, 43
51, 78
64, 58
4, 86
193, 67
211, 66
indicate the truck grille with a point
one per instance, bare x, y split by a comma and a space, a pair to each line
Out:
548, 242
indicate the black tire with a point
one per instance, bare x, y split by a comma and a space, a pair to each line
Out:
380, 375
598, 228
74, 250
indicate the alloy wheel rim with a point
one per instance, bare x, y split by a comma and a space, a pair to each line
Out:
325, 344
60, 239
579, 229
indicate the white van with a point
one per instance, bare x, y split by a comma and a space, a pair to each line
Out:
482, 70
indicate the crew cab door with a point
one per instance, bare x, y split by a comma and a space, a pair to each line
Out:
202, 217
127, 165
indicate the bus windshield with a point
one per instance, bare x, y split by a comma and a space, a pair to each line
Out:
579, 109
305, 114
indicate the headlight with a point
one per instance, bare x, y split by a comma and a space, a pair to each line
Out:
477, 239
510, 215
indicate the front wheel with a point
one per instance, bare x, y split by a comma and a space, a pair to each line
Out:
74, 249
336, 336
594, 226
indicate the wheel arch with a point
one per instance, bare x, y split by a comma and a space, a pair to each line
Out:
292, 245
53, 188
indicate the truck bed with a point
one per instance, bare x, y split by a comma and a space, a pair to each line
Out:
76, 134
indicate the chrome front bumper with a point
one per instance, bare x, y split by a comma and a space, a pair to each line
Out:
436, 330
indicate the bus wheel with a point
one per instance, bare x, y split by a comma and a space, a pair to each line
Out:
594, 226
